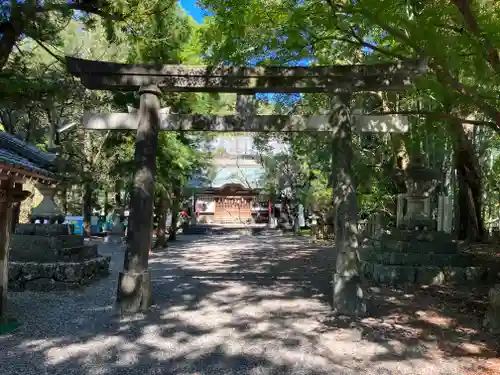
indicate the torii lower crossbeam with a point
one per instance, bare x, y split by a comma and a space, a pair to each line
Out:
237, 123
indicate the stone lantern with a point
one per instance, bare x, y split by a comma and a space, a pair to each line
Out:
47, 208
420, 182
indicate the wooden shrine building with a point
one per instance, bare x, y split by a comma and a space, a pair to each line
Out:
18, 162
233, 195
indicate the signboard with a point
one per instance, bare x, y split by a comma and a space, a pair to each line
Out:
77, 222
3, 195
94, 223
302, 221
205, 206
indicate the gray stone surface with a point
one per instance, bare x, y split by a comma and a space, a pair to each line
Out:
56, 276
421, 236
417, 247
422, 257
222, 304
42, 248
425, 275
43, 229
77, 253
430, 275
385, 274
492, 318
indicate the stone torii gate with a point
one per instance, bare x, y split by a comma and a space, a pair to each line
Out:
134, 289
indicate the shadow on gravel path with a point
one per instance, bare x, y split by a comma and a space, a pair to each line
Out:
223, 304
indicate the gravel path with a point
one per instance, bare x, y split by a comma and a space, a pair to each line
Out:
224, 304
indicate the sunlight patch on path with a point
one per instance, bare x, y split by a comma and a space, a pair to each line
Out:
222, 305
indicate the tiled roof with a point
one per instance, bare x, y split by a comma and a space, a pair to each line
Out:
242, 145
15, 145
249, 177
18, 154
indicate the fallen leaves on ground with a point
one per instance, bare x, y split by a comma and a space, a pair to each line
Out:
447, 321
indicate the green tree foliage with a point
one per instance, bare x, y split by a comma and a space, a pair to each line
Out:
459, 40
43, 22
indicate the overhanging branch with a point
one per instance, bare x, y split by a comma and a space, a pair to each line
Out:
46, 49
439, 115
491, 52
443, 73
87, 7
358, 42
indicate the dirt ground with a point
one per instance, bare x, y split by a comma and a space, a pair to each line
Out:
247, 305
447, 319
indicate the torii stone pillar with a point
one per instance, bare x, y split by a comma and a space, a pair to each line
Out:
134, 283
347, 289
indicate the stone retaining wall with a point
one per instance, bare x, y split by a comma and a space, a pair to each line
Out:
322, 231
48, 277
44, 229
422, 259
418, 247
492, 319
41, 248
77, 254
426, 275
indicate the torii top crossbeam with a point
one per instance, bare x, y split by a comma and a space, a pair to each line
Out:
246, 80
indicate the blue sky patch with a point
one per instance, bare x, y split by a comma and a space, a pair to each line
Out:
191, 7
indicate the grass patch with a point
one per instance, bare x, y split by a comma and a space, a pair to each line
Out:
9, 327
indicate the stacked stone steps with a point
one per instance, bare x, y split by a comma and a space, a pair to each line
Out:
210, 229
48, 243
418, 247
56, 276
426, 275
422, 258
49, 257
78, 253
418, 235
492, 318
229, 220
196, 230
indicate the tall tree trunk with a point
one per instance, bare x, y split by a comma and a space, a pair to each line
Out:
118, 198
106, 202
161, 230
285, 219
29, 126
175, 212
295, 214
470, 224
64, 199
87, 207
11, 31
